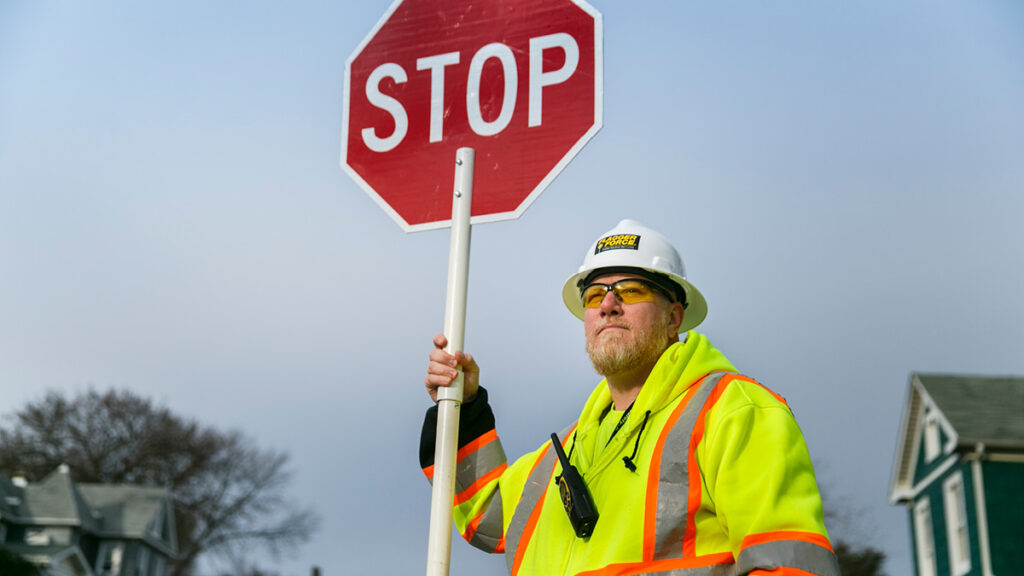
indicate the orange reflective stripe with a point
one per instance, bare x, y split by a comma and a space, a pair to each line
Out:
527, 533
523, 541
466, 450
693, 499
668, 483
653, 477
763, 538
476, 444
472, 527
650, 567
475, 487
768, 390
782, 571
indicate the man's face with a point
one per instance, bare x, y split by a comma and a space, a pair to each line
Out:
622, 337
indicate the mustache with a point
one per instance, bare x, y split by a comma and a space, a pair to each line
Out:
607, 323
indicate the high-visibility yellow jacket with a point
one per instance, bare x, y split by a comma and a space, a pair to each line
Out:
723, 483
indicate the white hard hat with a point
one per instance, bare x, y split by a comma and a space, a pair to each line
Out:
633, 245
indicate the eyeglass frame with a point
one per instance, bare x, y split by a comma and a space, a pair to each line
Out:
611, 288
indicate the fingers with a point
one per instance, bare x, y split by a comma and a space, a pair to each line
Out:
467, 362
440, 341
443, 368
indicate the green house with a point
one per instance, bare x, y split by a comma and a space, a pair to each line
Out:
959, 471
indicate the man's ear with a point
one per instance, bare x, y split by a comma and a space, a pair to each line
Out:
676, 314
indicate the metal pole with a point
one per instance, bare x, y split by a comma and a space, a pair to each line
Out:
449, 399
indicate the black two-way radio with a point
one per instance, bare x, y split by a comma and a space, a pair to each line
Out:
575, 496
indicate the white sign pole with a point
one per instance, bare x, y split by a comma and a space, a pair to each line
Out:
449, 398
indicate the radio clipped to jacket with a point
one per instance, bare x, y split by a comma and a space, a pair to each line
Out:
575, 496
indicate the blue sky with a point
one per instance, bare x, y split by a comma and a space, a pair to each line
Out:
843, 181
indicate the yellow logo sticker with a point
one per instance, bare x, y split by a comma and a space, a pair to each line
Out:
618, 242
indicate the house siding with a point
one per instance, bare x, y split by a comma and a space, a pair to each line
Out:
1004, 502
913, 540
934, 493
922, 468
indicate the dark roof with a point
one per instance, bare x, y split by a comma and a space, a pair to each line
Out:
127, 510
56, 500
121, 511
986, 409
104, 510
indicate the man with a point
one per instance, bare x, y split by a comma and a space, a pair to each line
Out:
693, 468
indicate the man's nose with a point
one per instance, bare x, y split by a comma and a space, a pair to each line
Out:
611, 304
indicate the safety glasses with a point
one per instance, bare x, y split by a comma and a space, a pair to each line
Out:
628, 291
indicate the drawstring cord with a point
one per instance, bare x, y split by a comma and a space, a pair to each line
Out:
628, 460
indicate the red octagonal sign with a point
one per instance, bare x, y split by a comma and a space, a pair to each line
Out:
519, 81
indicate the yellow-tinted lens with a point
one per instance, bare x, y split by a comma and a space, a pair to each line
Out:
633, 291
629, 291
593, 295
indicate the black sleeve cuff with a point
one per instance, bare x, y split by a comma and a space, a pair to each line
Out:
475, 420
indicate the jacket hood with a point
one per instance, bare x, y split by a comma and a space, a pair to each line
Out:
681, 366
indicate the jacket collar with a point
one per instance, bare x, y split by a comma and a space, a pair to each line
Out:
681, 366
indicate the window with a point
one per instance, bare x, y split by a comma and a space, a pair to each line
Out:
108, 562
931, 437
37, 537
924, 539
956, 524
59, 536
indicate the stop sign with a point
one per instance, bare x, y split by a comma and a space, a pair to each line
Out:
519, 81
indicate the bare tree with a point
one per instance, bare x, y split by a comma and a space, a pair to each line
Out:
849, 528
866, 561
229, 494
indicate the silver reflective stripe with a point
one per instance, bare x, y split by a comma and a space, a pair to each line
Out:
478, 464
805, 556
488, 531
716, 570
673, 475
469, 470
536, 485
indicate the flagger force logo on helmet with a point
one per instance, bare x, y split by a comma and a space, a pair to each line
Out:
618, 242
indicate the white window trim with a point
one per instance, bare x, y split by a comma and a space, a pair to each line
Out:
959, 537
924, 538
116, 553
932, 438
979, 513
38, 537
